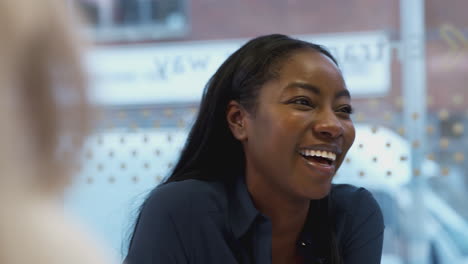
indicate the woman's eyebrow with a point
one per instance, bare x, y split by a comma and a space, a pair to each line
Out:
306, 86
314, 89
343, 93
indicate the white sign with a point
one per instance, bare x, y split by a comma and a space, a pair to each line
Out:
178, 72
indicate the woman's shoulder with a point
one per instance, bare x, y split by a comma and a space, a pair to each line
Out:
349, 197
355, 202
194, 195
359, 223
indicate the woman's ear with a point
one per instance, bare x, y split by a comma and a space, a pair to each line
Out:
236, 117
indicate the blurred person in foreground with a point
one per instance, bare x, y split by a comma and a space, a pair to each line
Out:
44, 118
253, 183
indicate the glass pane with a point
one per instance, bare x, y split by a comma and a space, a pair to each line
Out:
408, 92
135, 20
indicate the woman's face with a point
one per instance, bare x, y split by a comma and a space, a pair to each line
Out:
301, 129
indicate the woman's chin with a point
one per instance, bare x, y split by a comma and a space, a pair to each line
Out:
319, 192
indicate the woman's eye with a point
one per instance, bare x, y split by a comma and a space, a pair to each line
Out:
302, 101
346, 109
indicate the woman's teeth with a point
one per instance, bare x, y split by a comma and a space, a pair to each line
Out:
319, 153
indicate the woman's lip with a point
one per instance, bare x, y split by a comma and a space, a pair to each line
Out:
322, 147
328, 169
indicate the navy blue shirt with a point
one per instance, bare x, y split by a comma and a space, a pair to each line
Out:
201, 222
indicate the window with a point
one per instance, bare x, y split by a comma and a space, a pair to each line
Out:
410, 149
135, 20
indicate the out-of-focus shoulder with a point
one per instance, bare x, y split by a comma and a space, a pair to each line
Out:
49, 237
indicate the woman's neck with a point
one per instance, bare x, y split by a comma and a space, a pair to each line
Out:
287, 214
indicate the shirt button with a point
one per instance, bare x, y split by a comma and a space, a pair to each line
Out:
303, 244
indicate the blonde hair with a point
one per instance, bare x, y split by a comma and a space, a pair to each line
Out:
42, 78
44, 115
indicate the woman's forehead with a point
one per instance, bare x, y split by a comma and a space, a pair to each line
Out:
309, 60
309, 66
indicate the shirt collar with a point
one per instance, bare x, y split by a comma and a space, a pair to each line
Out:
242, 211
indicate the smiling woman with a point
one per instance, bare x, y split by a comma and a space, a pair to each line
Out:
254, 180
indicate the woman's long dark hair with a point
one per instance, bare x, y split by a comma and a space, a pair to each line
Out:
211, 152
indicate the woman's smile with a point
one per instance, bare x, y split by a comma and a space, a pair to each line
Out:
320, 158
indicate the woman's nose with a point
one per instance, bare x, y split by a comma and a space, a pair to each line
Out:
328, 125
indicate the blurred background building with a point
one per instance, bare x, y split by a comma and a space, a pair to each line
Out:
405, 63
